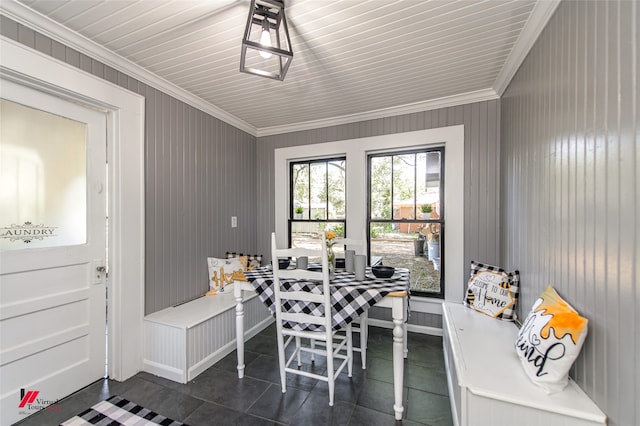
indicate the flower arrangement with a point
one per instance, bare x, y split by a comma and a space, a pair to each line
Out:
330, 237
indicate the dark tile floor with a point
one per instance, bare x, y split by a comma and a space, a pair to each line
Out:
218, 397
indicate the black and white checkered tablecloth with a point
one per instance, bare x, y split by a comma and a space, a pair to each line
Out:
349, 298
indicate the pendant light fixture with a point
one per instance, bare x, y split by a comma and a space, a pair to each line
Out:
266, 46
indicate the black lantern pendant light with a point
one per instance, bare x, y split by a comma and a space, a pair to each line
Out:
266, 46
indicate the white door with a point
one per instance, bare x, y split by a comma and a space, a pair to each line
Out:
52, 249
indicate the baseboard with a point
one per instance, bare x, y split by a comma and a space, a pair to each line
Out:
163, 370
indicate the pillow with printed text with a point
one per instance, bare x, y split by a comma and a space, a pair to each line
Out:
222, 273
550, 340
493, 291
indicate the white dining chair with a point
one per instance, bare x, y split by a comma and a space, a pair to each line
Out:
361, 324
296, 326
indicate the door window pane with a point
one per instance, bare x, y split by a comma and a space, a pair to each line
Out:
43, 189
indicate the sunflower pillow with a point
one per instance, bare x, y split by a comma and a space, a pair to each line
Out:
550, 340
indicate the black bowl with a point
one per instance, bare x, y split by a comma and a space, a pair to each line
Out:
340, 262
383, 271
283, 263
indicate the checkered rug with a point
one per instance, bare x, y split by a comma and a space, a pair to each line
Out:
118, 411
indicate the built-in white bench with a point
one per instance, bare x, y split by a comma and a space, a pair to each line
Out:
487, 385
183, 341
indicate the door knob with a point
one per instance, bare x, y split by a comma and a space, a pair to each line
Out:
101, 269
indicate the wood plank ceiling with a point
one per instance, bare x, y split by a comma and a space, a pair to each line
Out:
351, 57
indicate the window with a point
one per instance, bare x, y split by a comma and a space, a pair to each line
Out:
317, 201
405, 218
356, 152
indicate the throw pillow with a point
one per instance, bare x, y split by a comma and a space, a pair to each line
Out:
550, 340
493, 291
250, 261
222, 273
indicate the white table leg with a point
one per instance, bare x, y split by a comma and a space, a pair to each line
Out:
397, 313
239, 330
404, 326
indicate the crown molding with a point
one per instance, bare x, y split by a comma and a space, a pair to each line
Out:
46, 26
445, 102
540, 15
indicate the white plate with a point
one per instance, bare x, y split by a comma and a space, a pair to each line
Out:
395, 276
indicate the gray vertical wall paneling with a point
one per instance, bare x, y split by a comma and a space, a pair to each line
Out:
199, 240
171, 171
573, 210
627, 130
160, 288
162, 207
221, 180
598, 200
151, 215
472, 190
483, 203
593, 344
570, 165
185, 188
178, 125
216, 182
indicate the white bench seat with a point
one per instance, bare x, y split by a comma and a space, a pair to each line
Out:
487, 384
181, 342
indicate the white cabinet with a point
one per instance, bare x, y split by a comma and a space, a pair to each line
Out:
487, 384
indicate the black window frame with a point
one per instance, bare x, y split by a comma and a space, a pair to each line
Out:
440, 220
291, 216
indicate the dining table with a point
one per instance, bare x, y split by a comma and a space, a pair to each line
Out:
350, 298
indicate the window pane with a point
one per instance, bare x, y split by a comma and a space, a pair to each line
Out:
380, 192
421, 185
429, 199
404, 186
337, 184
432, 184
300, 191
43, 188
318, 208
397, 244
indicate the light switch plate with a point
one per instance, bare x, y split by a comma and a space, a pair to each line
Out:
234, 221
